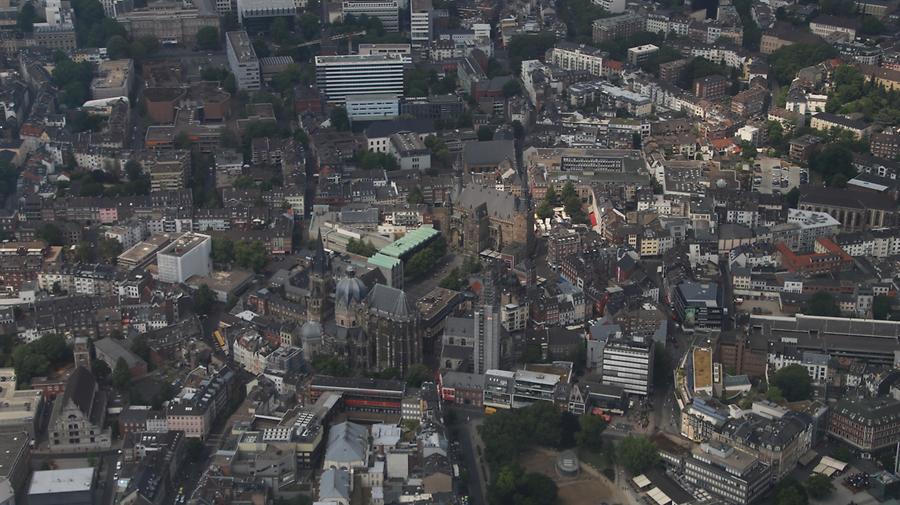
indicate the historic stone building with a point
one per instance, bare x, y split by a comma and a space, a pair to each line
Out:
482, 218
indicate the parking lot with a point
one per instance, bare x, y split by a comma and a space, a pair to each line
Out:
770, 175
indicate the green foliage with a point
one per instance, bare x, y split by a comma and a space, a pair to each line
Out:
590, 434
579, 16
509, 433
792, 198
821, 304
222, 251
362, 248
117, 47
513, 487
214, 73
93, 28
372, 160
121, 375
790, 492
485, 133
101, 183
208, 38
512, 88
8, 176
871, 26
528, 47
636, 454
251, 255
339, 119
881, 307
819, 486
422, 80
204, 300
752, 33
417, 374
330, 365
785, 62
774, 394
457, 279
852, 93
74, 79
794, 382
26, 18
38, 357
831, 162
423, 261
415, 196
108, 249
545, 210
100, 369
571, 203
440, 153
194, 449
50, 233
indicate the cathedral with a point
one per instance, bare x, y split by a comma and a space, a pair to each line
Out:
372, 329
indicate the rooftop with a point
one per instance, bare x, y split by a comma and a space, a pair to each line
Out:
70, 480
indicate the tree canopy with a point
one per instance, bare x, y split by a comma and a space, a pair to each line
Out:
786, 61
794, 383
636, 454
819, 486
821, 304
208, 38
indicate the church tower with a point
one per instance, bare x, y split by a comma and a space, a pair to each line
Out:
318, 306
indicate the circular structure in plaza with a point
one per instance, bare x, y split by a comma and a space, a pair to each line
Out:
567, 464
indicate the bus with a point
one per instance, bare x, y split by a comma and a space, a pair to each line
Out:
220, 340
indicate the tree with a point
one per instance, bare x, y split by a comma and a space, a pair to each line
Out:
208, 38
821, 304
636, 454
589, 435
26, 18
50, 233
512, 88
100, 369
790, 492
251, 255
417, 374
568, 191
550, 196
881, 307
121, 375
774, 394
194, 450
485, 133
871, 26
330, 365
339, 119
360, 247
415, 196
786, 61
109, 249
794, 382
544, 210
819, 486
117, 47
792, 198
222, 251
204, 300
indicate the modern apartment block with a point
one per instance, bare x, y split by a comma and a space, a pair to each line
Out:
512, 390
734, 476
628, 363
242, 60
388, 11
341, 76
421, 23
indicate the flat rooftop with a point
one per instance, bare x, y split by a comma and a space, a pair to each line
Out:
112, 74
185, 244
70, 480
241, 46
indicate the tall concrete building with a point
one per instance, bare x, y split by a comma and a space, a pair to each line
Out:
187, 256
628, 363
242, 60
341, 76
421, 23
487, 339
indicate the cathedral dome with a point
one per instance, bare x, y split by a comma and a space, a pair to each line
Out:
349, 290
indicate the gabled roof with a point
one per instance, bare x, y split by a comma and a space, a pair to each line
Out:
390, 301
347, 442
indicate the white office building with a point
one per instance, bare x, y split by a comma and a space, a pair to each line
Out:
242, 60
421, 23
375, 107
628, 363
569, 56
341, 76
487, 339
388, 11
611, 6
185, 257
